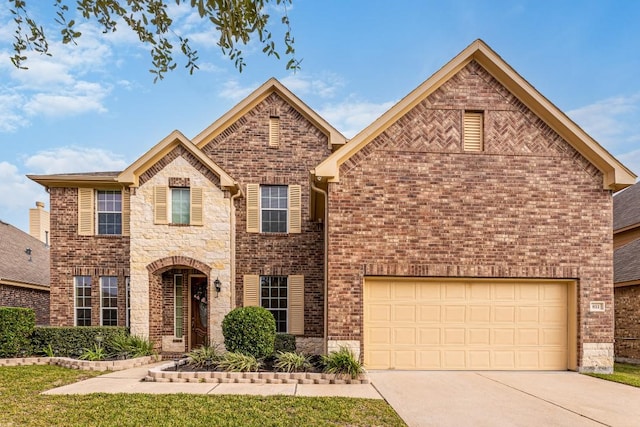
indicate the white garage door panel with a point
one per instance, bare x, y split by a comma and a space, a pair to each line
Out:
425, 324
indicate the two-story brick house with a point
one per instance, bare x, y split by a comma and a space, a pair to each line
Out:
469, 227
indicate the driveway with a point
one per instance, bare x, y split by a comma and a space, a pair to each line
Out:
437, 398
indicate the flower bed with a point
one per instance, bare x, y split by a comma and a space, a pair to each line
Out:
161, 374
85, 365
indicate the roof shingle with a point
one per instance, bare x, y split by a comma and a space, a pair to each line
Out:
626, 207
18, 266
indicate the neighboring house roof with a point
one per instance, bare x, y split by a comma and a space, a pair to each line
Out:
17, 266
272, 85
616, 175
626, 264
626, 208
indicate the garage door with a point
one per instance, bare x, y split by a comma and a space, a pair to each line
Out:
457, 325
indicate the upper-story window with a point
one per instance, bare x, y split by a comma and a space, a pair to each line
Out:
274, 208
180, 205
109, 211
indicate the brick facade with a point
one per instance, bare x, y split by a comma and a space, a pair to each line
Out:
627, 344
243, 151
413, 203
17, 296
74, 255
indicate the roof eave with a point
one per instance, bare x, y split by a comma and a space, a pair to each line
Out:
334, 137
49, 181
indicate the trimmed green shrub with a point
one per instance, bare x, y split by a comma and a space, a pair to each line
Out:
343, 362
250, 331
284, 343
16, 327
238, 362
72, 341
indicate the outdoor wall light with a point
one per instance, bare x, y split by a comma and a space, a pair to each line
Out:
218, 285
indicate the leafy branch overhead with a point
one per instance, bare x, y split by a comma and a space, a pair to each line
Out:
236, 23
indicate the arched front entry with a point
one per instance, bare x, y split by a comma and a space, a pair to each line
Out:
179, 304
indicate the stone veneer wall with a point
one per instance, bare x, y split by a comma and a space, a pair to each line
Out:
627, 344
243, 151
413, 203
74, 255
16, 296
208, 244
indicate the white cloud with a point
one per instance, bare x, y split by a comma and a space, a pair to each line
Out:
17, 195
83, 97
234, 91
74, 159
10, 117
613, 121
324, 86
631, 160
351, 116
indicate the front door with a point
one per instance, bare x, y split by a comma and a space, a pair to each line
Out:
199, 311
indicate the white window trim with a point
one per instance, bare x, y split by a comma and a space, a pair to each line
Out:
102, 298
75, 300
96, 212
170, 205
287, 219
286, 310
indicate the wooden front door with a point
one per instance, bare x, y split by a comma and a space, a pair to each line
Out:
199, 311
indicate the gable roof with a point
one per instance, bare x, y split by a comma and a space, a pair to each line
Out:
616, 175
626, 267
626, 208
17, 267
272, 85
131, 175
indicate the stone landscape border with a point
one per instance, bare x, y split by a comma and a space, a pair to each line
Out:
83, 365
157, 374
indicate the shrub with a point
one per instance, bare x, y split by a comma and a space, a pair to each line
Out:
285, 343
344, 362
292, 362
204, 357
250, 331
94, 354
16, 327
128, 346
238, 362
71, 341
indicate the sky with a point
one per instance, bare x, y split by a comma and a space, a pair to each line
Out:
94, 106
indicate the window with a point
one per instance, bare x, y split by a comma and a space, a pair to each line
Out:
281, 295
273, 297
109, 300
180, 205
178, 324
473, 131
109, 212
82, 286
273, 208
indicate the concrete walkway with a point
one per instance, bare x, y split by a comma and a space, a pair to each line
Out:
130, 381
493, 399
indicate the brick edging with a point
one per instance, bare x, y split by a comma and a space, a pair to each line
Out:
83, 365
158, 375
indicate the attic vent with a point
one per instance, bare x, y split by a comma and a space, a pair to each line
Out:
274, 131
473, 129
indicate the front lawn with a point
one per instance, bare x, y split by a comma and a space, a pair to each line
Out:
22, 405
623, 373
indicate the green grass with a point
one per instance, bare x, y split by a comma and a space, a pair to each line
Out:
21, 404
622, 373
